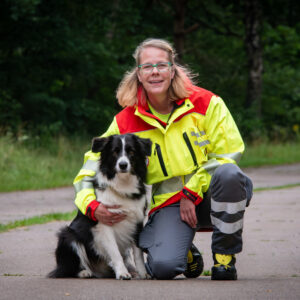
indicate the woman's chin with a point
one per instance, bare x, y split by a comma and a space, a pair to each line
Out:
156, 91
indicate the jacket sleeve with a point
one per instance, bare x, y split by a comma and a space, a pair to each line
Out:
85, 181
224, 144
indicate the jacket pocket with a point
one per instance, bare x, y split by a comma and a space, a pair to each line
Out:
196, 142
160, 158
190, 147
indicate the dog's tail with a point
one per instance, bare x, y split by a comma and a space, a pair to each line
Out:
57, 273
66, 259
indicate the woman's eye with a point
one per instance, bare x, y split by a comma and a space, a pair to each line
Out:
147, 67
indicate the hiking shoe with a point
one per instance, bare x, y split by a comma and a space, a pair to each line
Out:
224, 268
194, 263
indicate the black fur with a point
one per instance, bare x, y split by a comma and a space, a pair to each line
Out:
79, 231
68, 264
136, 150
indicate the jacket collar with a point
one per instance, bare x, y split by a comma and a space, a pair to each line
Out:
181, 106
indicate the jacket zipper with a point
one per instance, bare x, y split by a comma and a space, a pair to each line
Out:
160, 158
189, 145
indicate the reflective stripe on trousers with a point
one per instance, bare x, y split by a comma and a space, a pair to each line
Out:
231, 191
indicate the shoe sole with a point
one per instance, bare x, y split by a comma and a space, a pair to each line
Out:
217, 275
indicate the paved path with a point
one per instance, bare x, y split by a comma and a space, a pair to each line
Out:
268, 268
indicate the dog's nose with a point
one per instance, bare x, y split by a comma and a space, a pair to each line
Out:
123, 165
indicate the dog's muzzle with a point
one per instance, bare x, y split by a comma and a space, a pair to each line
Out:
123, 165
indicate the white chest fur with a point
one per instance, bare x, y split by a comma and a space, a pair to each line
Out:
114, 193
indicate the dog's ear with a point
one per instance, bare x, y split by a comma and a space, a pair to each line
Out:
98, 144
146, 145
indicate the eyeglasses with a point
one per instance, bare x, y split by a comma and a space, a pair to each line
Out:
161, 67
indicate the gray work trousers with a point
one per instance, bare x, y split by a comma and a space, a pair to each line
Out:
167, 239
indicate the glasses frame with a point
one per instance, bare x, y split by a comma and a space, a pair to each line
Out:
153, 66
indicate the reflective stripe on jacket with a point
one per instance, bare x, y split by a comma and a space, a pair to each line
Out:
199, 136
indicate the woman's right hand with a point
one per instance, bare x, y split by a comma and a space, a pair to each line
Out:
188, 212
104, 216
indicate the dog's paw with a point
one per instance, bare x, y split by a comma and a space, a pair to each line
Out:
144, 276
135, 275
123, 276
85, 274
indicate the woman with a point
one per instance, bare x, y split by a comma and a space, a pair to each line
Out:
196, 183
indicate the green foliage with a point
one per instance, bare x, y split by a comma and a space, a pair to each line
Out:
10, 112
281, 97
61, 61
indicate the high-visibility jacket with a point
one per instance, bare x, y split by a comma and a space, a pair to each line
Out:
199, 136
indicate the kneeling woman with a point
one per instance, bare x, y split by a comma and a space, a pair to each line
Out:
196, 183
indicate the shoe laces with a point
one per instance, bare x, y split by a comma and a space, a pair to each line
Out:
223, 260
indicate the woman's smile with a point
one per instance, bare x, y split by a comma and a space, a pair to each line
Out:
155, 83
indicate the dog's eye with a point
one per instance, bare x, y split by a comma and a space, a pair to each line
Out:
116, 151
130, 151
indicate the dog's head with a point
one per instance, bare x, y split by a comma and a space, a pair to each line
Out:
123, 154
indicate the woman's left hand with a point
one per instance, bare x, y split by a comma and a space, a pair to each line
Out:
188, 212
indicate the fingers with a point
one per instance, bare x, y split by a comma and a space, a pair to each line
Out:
112, 206
104, 216
189, 218
117, 218
188, 213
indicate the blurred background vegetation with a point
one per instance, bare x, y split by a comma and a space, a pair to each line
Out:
61, 62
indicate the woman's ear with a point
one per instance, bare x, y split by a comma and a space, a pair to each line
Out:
173, 73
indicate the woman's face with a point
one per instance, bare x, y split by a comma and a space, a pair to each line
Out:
155, 83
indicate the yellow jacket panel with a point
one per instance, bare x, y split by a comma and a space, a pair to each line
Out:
199, 136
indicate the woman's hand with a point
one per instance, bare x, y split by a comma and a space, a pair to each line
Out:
188, 212
106, 217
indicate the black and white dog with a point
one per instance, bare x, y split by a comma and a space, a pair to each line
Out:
90, 249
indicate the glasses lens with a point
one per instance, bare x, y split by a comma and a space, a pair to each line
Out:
147, 68
163, 67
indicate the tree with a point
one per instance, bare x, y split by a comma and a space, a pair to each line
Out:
254, 55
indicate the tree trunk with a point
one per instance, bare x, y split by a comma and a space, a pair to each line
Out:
179, 31
254, 53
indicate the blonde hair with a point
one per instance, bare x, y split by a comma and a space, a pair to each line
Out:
181, 84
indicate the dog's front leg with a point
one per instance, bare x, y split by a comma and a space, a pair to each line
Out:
139, 262
129, 262
107, 245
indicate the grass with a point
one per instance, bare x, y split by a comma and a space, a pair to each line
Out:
280, 187
54, 162
38, 220
40, 164
271, 154
206, 273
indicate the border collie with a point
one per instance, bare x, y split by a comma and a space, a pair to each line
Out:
90, 249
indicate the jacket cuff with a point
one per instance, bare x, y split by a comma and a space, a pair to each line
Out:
90, 210
188, 194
